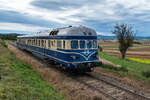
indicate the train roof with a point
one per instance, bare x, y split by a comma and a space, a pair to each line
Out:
66, 31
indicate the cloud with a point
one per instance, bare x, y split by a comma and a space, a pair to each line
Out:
105, 34
17, 17
20, 27
100, 15
55, 5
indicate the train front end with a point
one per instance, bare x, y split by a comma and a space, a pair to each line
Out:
84, 54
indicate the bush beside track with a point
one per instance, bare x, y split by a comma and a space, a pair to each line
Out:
19, 82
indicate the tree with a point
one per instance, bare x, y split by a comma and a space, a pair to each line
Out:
125, 36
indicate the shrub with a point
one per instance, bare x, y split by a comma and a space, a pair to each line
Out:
124, 69
3, 43
100, 48
137, 42
146, 74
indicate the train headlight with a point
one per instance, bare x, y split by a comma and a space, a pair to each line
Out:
74, 57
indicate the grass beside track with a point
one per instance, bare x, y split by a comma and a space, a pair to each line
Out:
129, 68
19, 82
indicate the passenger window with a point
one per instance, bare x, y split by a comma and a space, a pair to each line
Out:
82, 44
42, 43
49, 45
36, 43
89, 44
52, 44
94, 44
64, 44
74, 44
58, 44
32, 42
39, 42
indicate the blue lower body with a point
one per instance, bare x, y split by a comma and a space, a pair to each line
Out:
62, 58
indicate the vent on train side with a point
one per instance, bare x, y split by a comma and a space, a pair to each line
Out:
85, 33
54, 32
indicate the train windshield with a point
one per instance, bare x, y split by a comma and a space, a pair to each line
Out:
94, 44
74, 44
89, 44
82, 44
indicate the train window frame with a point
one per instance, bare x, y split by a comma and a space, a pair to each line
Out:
77, 45
42, 43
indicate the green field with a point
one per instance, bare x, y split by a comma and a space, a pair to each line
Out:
19, 82
129, 68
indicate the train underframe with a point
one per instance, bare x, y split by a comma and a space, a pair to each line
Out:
76, 67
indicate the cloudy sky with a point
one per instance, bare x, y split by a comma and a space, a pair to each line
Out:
29, 16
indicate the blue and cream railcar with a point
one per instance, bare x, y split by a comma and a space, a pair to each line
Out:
71, 47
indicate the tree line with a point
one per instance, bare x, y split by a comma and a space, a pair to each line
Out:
12, 36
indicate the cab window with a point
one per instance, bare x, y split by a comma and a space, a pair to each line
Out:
74, 44
94, 44
82, 44
89, 44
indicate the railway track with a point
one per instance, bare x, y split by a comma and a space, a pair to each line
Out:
105, 85
116, 91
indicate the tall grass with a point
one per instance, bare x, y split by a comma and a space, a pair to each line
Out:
20, 82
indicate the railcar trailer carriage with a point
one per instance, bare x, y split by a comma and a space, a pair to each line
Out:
73, 47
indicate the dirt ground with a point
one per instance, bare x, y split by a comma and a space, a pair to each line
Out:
137, 51
130, 53
135, 83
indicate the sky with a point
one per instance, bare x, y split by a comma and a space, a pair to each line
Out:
30, 16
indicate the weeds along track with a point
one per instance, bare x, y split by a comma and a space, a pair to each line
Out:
108, 86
